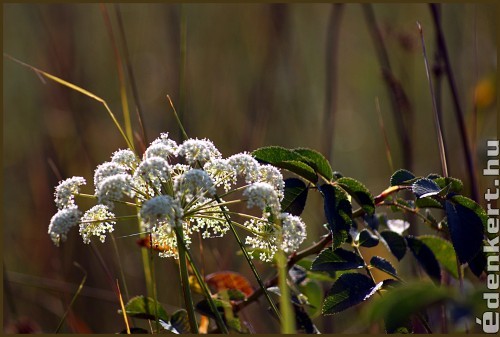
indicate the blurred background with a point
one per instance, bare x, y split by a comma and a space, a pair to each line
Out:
244, 76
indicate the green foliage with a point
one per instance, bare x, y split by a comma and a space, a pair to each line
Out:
359, 192
425, 188
146, 308
466, 229
338, 259
317, 161
366, 239
396, 307
295, 197
383, 265
443, 251
402, 177
338, 209
349, 290
395, 242
425, 257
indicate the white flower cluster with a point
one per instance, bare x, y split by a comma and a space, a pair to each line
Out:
173, 188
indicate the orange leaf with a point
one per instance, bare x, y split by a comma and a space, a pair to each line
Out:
203, 328
229, 280
146, 242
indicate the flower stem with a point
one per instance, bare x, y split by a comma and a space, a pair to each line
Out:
206, 291
287, 316
185, 281
249, 261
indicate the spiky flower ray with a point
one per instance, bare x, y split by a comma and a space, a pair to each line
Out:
175, 187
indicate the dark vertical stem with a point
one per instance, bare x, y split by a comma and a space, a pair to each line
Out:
439, 131
399, 101
434, 8
331, 85
130, 71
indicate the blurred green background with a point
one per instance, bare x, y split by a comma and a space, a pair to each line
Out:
253, 75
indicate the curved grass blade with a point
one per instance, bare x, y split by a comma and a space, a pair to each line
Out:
80, 90
80, 287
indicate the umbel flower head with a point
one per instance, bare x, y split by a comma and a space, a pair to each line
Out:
186, 188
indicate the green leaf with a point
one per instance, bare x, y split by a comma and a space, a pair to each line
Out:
340, 259
478, 264
287, 159
317, 161
474, 207
275, 154
443, 251
384, 265
400, 303
425, 257
456, 185
366, 239
402, 177
338, 209
466, 230
359, 192
395, 242
295, 197
425, 188
349, 290
428, 202
179, 323
339, 238
299, 168
144, 307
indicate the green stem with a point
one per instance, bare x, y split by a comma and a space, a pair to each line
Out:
249, 261
287, 315
188, 300
206, 291
80, 287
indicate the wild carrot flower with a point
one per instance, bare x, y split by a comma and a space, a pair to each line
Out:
106, 170
126, 158
198, 150
262, 195
169, 197
96, 222
66, 190
62, 222
245, 165
113, 188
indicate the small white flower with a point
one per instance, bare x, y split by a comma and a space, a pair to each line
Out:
293, 232
106, 170
169, 143
264, 238
160, 211
114, 188
166, 239
209, 221
262, 195
159, 150
194, 184
62, 222
125, 157
66, 190
221, 172
95, 222
246, 166
271, 175
398, 225
154, 169
198, 150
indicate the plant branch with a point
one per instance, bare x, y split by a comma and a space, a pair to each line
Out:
456, 104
